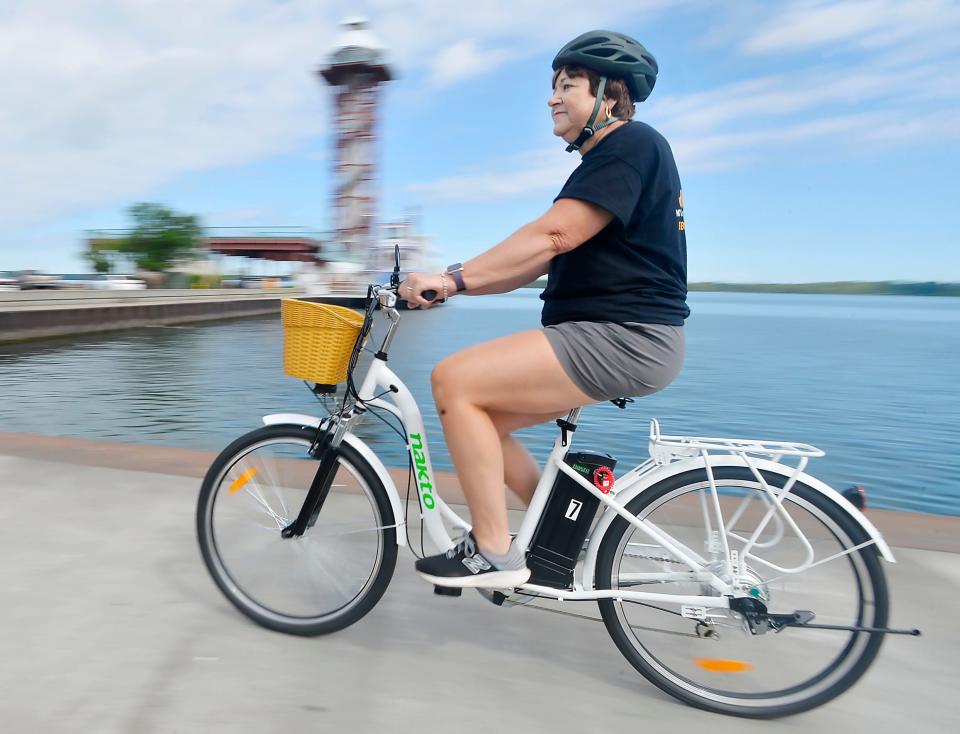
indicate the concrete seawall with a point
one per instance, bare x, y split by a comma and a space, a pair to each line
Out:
42, 314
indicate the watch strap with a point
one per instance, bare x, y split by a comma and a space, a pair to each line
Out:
455, 271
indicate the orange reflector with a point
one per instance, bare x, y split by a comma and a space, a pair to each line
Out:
723, 666
242, 479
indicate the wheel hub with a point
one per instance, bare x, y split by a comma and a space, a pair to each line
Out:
750, 582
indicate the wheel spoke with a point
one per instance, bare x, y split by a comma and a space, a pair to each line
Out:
708, 655
315, 583
255, 492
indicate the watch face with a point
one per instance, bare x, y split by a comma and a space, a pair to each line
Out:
453, 268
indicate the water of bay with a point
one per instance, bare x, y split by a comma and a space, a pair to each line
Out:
869, 379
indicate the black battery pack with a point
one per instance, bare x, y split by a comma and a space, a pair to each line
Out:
566, 520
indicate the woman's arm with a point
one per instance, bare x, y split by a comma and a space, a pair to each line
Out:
526, 254
507, 285
521, 258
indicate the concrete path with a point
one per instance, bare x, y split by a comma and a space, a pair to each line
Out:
109, 623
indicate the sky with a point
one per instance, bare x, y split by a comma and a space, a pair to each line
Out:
816, 139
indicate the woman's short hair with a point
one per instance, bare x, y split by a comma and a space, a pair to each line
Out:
615, 89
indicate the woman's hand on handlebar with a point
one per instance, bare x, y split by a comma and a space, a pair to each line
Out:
421, 290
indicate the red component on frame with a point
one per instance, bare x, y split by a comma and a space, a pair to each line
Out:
603, 479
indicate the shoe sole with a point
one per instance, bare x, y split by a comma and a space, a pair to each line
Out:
491, 580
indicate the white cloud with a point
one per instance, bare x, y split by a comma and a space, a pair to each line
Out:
806, 24
835, 105
416, 30
239, 216
105, 100
506, 178
465, 59
846, 106
846, 110
837, 114
851, 134
105, 105
813, 89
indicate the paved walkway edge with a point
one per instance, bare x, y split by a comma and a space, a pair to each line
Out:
900, 529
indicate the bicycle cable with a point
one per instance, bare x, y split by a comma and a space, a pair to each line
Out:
406, 504
365, 329
351, 390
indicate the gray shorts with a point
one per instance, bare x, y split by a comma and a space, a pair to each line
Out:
608, 360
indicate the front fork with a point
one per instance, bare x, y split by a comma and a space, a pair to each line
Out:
326, 448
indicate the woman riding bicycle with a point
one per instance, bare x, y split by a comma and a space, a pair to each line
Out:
614, 246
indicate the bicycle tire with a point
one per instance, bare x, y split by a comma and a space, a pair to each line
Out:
849, 664
215, 532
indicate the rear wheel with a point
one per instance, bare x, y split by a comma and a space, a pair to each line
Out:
320, 582
718, 664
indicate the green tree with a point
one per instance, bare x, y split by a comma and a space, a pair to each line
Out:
161, 237
98, 260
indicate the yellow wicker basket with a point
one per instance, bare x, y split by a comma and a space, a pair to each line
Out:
318, 340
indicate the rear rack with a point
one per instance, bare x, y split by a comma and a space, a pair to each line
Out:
665, 449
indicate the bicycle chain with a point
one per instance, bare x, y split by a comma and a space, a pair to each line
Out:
595, 619
661, 559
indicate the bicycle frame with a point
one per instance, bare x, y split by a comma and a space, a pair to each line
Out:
669, 456
380, 378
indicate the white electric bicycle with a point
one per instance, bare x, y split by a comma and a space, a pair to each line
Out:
724, 573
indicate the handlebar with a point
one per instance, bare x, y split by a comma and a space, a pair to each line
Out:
428, 295
378, 297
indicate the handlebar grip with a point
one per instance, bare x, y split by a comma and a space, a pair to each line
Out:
428, 294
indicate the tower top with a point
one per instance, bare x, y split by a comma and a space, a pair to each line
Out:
356, 53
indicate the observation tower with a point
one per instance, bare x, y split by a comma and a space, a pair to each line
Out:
355, 69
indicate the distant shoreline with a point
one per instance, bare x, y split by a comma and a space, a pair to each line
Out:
842, 287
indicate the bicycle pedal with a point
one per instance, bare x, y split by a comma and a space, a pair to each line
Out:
494, 596
447, 590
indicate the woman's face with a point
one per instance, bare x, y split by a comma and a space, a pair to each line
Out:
570, 106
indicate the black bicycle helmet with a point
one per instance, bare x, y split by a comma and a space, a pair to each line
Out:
612, 54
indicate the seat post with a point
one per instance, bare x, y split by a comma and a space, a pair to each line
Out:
568, 425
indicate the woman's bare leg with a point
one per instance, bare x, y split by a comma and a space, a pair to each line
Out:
517, 374
521, 473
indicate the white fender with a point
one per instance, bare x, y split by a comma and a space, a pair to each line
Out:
684, 465
299, 419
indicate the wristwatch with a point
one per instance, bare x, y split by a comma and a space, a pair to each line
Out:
455, 271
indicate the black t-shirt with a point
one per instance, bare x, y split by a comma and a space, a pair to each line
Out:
635, 269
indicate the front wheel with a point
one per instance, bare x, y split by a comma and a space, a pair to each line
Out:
316, 583
718, 664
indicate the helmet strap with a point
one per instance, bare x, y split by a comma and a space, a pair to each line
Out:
590, 129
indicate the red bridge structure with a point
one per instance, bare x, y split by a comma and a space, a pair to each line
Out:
265, 247
281, 244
